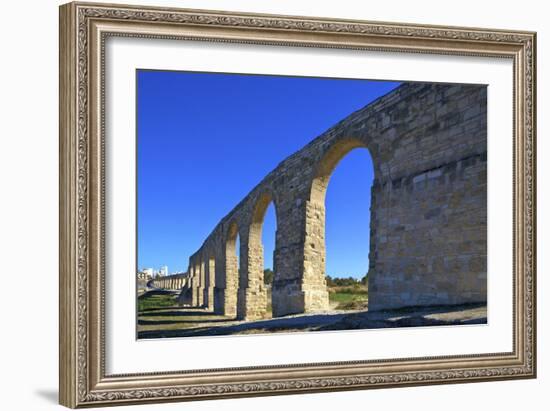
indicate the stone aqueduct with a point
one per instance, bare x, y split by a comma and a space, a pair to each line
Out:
428, 240
170, 282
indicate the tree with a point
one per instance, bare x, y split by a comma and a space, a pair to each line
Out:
341, 281
268, 276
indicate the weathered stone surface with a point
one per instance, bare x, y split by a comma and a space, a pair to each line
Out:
428, 211
170, 282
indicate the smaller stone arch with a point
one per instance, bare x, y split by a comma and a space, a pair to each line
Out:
253, 293
189, 292
210, 280
231, 270
202, 282
196, 283
258, 214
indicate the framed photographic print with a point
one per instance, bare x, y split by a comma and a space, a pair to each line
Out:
259, 204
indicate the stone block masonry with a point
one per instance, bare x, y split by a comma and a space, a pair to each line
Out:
428, 235
169, 282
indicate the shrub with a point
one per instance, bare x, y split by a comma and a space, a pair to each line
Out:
342, 282
268, 276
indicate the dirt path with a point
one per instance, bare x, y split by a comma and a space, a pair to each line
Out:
187, 322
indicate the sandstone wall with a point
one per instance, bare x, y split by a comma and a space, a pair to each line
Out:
169, 282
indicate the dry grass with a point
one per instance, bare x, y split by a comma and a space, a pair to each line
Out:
348, 297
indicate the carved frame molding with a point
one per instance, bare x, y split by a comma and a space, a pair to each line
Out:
83, 30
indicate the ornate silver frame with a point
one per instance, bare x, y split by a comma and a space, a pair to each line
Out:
83, 30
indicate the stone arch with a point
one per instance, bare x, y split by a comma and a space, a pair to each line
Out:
202, 282
210, 280
328, 163
231, 270
258, 214
313, 287
321, 182
253, 293
197, 285
191, 284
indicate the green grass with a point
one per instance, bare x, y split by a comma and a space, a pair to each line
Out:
349, 298
156, 301
353, 297
160, 310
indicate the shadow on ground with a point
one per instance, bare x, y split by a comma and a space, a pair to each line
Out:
50, 395
195, 322
187, 312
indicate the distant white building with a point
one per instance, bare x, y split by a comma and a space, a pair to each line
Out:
163, 271
143, 276
149, 272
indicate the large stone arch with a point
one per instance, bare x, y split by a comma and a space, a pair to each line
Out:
328, 162
252, 291
314, 285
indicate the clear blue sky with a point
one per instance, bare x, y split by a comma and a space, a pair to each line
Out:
206, 139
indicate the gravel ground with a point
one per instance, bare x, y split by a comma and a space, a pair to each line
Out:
193, 322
